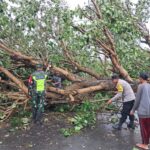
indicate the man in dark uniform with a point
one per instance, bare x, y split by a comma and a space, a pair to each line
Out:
37, 87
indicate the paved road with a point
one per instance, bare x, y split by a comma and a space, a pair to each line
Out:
102, 137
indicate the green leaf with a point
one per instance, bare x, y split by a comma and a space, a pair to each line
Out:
25, 120
78, 128
14, 105
135, 148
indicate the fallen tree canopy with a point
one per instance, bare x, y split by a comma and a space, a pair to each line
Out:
54, 95
83, 53
79, 85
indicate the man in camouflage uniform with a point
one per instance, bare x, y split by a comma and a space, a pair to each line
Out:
37, 87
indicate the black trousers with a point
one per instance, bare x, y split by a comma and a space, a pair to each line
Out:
127, 107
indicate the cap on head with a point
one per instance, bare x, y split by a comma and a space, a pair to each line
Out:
144, 76
39, 66
115, 76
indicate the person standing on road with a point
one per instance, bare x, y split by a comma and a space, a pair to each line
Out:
37, 89
142, 105
124, 92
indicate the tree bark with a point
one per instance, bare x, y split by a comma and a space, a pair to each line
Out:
79, 67
30, 61
18, 82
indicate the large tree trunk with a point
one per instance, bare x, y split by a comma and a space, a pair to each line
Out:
30, 61
79, 67
18, 82
108, 46
71, 93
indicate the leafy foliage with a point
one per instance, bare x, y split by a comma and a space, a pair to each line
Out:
38, 27
85, 116
20, 119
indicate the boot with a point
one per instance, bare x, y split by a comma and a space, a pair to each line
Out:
117, 126
131, 125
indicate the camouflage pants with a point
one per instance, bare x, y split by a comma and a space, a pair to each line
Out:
37, 106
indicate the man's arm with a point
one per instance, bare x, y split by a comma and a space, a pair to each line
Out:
30, 84
118, 95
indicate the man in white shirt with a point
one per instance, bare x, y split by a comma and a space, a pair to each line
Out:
124, 92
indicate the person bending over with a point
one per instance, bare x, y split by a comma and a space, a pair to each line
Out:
124, 92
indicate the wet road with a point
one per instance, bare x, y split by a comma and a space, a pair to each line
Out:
102, 137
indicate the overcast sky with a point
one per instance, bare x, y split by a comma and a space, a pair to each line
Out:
74, 3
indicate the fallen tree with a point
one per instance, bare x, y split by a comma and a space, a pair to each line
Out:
54, 95
98, 38
71, 93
